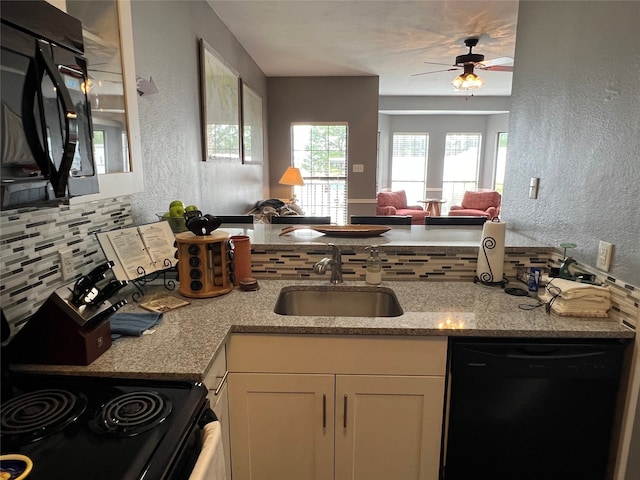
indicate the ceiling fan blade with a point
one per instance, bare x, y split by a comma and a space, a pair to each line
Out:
496, 68
498, 61
436, 71
437, 63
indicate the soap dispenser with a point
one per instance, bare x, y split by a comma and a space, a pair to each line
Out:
373, 275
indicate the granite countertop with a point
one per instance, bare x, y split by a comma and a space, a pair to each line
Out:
264, 235
186, 342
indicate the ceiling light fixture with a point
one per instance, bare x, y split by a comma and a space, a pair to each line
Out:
468, 80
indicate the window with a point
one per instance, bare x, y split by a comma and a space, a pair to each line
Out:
99, 151
461, 160
501, 159
409, 165
320, 152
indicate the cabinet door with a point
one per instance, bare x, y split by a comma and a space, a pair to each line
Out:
388, 428
281, 426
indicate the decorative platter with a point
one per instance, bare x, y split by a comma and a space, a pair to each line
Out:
343, 230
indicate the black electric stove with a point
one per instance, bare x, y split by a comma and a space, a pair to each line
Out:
104, 428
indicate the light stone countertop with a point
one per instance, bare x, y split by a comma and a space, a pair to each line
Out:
262, 235
185, 343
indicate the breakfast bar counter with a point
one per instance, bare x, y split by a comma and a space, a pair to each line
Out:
265, 235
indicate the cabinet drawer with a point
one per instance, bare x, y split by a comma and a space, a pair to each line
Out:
348, 354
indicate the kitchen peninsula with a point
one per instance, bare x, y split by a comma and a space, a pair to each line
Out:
186, 341
239, 337
264, 235
415, 252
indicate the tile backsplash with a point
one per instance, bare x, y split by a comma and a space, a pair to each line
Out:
398, 263
30, 242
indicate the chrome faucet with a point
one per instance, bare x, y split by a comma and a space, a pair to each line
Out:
335, 263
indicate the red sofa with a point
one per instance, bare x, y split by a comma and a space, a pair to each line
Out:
477, 204
395, 203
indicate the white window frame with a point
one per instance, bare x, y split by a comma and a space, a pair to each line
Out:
409, 182
453, 190
323, 194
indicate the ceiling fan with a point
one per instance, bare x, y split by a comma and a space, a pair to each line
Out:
468, 62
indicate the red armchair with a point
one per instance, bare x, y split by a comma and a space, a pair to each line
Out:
477, 204
395, 203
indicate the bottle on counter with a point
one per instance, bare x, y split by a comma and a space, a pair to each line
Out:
373, 275
534, 281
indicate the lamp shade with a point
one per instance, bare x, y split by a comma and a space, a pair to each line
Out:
291, 176
468, 80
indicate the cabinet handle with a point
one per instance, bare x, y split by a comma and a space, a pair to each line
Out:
344, 424
221, 384
324, 410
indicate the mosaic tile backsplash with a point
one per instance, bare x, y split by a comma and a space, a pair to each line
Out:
30, 242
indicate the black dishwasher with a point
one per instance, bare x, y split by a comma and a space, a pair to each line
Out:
531, 410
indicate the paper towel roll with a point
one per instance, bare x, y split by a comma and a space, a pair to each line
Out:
490, 267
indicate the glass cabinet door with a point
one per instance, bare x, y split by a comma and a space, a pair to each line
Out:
106, 85
108, 41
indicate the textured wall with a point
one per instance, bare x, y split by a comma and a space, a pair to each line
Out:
166, 36
575, 123
326, 99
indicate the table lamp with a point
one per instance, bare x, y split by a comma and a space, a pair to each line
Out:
292, 176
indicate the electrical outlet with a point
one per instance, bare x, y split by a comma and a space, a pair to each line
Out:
605, 250
66, 264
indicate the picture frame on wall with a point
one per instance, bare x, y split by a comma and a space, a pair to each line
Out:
220, 107
252, 129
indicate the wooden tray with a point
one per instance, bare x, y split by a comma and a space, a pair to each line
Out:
342, 230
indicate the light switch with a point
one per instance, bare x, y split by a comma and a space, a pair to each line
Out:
533, 187
358, 168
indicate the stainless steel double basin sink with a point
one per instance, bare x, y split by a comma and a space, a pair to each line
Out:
338, 301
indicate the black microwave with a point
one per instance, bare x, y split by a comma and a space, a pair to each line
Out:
47, 150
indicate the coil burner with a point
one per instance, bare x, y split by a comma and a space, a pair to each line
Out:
32, 416
132, 413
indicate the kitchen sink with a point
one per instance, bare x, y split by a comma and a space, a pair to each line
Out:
338, 301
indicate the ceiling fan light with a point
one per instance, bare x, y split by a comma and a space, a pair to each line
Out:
467, 81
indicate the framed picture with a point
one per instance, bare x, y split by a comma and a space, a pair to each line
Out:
252, 132
220, 105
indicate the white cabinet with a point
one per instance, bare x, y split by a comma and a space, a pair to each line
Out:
324, 407
216, 381
388, 427
282, 426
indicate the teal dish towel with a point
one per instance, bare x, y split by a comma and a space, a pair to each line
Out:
132, 324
